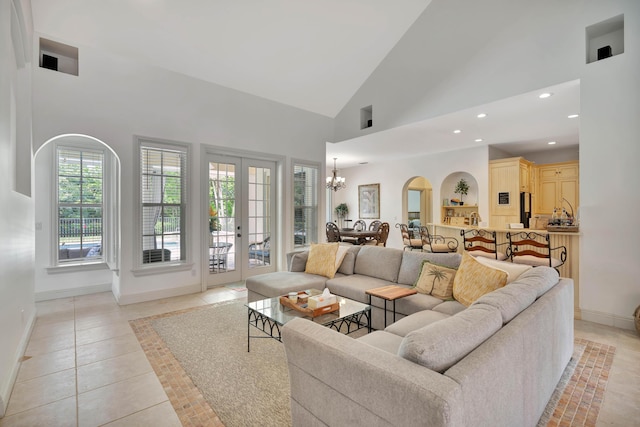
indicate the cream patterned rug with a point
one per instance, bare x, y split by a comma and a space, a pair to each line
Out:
200, 356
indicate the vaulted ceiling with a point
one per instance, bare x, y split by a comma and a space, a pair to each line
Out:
313, 55
310, 54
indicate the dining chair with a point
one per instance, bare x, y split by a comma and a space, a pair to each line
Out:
381, 236
482, 243
373, 225
333, 233
531, 248
436, 243
360, 225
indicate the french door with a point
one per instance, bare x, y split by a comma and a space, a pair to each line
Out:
241, 218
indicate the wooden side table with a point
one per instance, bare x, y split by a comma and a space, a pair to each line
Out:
390, 293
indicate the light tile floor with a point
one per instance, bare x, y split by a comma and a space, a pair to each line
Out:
85, 366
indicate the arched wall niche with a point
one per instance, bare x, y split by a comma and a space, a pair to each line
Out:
449, 184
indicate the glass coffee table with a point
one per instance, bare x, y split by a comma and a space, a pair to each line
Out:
268, 316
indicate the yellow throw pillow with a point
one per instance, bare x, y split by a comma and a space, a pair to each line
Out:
435, 280
474, 279
322, 259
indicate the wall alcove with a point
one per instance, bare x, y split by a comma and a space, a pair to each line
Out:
462, 212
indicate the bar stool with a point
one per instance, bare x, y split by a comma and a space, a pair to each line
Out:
531, 248
482, 243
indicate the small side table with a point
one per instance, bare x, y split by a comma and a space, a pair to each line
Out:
390, 293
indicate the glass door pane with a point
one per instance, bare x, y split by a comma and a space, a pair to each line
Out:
223, 218
260, 216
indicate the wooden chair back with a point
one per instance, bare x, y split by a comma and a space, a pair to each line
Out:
333, 233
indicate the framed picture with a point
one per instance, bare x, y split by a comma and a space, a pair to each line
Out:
369, 201
503, 198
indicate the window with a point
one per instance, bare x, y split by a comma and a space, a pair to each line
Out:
305, 202
163, 171
80, 187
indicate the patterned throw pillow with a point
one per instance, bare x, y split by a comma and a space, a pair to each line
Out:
474, 279
322, 259
435, 280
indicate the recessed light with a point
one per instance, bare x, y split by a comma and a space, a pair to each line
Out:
457, 131
545, 95
479, 140
573, 116
482, 115
551, 143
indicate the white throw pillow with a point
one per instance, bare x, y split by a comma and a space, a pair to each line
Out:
513, 270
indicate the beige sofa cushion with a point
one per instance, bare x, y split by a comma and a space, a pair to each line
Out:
380, 262
412, 261
513, 270
474, 279
510, 300
444, 343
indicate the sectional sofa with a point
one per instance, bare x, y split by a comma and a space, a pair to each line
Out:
495, 362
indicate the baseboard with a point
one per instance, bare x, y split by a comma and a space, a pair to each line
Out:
5, 392
126, 299
72, 292
608, 319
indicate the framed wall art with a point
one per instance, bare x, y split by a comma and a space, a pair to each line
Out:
369, 201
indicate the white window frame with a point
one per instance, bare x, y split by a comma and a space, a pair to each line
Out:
316, 186
140, 268
82, 264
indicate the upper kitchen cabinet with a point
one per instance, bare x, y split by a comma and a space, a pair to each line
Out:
557, 184
507, 179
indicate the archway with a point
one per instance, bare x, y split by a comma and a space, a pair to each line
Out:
417, 202
82, 250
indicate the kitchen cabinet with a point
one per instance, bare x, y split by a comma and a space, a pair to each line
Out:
507, 179
555, 182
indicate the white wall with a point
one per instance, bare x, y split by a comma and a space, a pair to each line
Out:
435, 168
461, 53
17, 310
113, 99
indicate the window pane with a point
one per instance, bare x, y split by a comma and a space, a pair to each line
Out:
162, 196
80, 213
305, 200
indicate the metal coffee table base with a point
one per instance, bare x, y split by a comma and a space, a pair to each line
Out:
350, 323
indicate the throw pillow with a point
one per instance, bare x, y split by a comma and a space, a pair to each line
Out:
474, 279
435, 280
340, 254
513, 270
322, 259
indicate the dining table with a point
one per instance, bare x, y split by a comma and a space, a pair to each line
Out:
358, 237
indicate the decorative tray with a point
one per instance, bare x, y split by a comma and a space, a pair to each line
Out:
284, 300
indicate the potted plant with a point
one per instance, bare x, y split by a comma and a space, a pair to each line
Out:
462, 188
342, 210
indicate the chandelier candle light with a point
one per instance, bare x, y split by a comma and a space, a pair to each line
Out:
335, 182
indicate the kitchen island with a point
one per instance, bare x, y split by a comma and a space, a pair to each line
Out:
571, 240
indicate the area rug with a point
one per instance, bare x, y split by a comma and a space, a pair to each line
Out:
200, 357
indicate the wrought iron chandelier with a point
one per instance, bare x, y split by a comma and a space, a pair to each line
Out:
335, 182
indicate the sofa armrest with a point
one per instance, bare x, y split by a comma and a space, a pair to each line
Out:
342, 381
